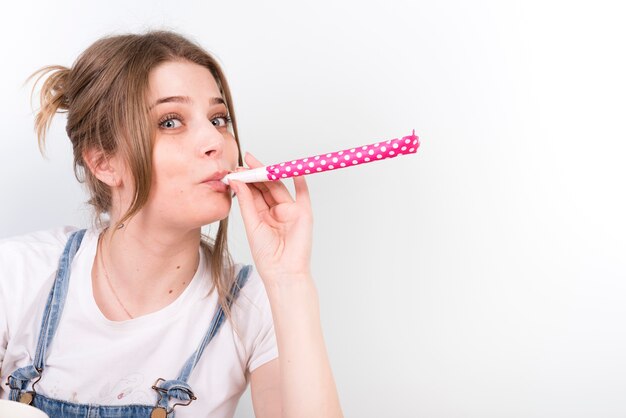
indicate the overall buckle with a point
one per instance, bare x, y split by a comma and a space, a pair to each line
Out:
161, 408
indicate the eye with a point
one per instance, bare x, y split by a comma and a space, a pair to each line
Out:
171, 122
221, 121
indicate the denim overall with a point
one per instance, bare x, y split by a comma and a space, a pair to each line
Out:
176, 391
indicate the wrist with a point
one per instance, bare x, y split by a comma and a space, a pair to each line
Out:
289, 285
285, 278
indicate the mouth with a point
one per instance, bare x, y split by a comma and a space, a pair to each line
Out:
214, 181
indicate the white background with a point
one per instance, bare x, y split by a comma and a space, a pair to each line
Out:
484, 276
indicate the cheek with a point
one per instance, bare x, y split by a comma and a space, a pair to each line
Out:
232, 152
168, 164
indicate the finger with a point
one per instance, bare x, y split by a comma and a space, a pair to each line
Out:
259, 186
276, 189
262, 200
302, 190
252, 161
264, 193
247, 204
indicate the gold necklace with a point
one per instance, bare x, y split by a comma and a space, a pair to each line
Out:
106, 275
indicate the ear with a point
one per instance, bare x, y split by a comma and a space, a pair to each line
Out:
104, 167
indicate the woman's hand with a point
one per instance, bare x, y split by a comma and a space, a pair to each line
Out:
278, 227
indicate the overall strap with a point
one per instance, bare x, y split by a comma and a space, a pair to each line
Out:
179, 388
216, 322
21, 377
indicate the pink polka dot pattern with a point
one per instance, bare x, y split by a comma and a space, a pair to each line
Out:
346, 158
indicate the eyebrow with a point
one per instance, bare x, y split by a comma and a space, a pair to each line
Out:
186, 100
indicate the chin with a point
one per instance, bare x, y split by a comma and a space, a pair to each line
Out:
214, 215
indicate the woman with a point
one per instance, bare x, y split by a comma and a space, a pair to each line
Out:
140, 314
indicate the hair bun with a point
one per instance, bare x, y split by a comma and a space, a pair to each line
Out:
52, 97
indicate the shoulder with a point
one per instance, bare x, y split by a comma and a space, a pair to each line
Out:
28, 264
35, 247
36, 243
30, 258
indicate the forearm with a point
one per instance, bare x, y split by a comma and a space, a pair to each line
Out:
307, 384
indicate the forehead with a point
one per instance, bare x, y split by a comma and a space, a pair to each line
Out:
181, 78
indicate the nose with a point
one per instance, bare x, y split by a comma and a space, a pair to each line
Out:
212, 144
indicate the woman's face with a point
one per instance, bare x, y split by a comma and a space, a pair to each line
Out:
194, 147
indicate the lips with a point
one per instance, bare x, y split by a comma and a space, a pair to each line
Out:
218, 175
214, 183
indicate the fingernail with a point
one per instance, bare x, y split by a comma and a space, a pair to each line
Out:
233, 188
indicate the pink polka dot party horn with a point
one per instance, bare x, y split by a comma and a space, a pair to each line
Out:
329, 161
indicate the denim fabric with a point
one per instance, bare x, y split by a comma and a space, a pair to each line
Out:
170, 392
19, 380
56, 299
61, 409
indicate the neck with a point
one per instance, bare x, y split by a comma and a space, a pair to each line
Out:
146, 269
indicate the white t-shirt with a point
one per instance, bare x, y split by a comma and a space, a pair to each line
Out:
98, 361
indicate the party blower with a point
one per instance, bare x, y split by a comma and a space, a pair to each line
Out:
330, 161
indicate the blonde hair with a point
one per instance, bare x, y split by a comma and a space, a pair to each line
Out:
104, 96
